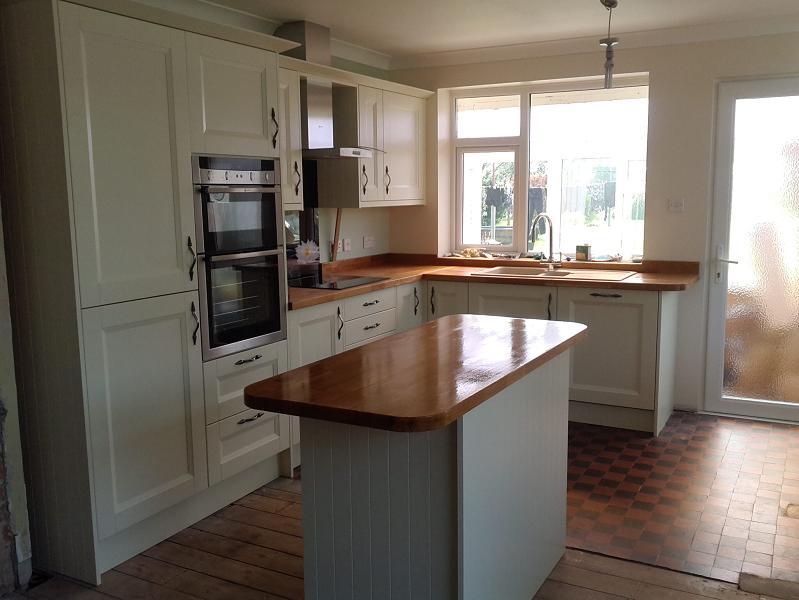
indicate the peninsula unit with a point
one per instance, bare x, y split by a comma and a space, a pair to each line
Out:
403, 493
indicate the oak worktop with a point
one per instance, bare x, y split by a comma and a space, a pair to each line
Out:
419, 380
400, 274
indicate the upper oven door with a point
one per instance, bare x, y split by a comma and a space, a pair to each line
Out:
243, 301
238, 219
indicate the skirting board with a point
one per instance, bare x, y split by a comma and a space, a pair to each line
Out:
612, 416
133, 540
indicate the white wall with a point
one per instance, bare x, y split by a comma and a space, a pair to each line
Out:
683, 80
355, 224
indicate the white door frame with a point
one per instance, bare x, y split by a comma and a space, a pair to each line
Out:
728, 93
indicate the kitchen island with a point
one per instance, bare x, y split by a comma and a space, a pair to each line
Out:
433, 461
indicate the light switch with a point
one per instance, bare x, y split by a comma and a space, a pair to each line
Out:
347, 245
368, 241
676, 205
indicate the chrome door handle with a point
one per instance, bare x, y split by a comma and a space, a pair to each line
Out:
598, 295
366, 180
277, 129
341, 322
299, 179
368, 327
196, 324
255, 417
415, 301
433, 300
389, 179
372, 303
190, 246
245, 361
549, 307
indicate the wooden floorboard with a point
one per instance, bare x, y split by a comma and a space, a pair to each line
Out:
252, 550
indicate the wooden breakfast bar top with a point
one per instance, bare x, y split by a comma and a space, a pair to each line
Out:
420, 380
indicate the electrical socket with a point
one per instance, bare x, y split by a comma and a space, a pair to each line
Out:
347, 245
338, 246
368, 241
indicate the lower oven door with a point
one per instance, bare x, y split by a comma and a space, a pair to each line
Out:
243, 301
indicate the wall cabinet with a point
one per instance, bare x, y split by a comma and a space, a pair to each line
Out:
522, 301
617, 363
290, 139
128, 136
233, 98
404, 145
145, 407
411, 305
370, 135
447, 298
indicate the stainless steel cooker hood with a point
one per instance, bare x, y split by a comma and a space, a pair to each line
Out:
329, 111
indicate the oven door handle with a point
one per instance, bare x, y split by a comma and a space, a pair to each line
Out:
238, 189
225, 257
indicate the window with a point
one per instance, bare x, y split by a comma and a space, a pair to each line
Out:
586, 152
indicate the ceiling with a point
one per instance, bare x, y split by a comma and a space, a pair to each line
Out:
411, 27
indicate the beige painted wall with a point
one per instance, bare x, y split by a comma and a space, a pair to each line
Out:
683, 82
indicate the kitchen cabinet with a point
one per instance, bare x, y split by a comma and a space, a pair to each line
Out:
233, 98
315, 333
370, 135
404, 145
145, 407
411, 305
225, 378
522, 301
126, 107
617, 363
447, 298
392, 125
243, 440
290, 139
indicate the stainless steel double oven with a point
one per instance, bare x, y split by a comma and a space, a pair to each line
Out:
240, 250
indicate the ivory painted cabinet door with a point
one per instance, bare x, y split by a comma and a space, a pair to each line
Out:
404, 143
370, 135
447, 298
315, 333
411, 305
226, 377
506, 300
617, 363
145, 403
233, 93
290, 139
129, 157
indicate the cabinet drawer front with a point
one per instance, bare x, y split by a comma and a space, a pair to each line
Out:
225, 378
369, 304
243, 440
369, 326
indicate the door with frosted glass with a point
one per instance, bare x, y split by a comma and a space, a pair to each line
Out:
753, 331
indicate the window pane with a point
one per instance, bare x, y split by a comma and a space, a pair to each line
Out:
588, 172
493, 116
488, 184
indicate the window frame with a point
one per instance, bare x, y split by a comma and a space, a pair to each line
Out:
519, 144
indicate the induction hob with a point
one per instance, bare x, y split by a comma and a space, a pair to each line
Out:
341, 283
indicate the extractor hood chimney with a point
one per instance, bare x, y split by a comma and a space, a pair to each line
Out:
322, 137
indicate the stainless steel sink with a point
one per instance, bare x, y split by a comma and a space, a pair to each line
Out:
581, 274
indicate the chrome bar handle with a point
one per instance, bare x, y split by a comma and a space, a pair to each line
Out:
368, 327
255, 417
246, 361
372, 303
196, 323
598, 295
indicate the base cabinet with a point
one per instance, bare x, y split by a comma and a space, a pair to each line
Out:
447, 298
520, 301
617, 363
411, 305
145, 407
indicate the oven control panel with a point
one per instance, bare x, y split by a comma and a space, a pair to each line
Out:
229, 177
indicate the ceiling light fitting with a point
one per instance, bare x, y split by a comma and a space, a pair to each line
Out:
609, 42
